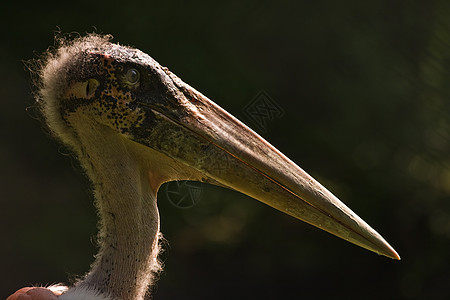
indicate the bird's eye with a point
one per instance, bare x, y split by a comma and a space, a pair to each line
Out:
132, 76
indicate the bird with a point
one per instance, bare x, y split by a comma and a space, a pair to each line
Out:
134, 125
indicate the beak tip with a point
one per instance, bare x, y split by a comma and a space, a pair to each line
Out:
388, 251
394, 254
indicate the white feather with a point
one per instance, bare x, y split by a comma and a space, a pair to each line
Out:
80, 293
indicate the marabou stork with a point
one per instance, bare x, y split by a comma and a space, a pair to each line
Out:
134, 125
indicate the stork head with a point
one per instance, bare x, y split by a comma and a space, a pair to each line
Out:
98, 86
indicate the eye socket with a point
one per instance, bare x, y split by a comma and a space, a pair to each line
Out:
132, 76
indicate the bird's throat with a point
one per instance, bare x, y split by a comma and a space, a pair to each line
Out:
129, 226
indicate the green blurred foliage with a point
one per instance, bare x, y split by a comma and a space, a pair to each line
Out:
364, 86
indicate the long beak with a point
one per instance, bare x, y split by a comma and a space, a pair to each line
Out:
204, 137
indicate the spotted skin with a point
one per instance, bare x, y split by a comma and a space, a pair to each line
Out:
112, 102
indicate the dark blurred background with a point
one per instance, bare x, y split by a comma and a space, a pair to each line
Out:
364, 86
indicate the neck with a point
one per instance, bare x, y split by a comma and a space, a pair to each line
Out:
129, 225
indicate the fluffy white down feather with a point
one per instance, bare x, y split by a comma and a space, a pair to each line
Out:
80, 293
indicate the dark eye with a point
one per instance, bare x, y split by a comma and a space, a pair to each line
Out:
132, 76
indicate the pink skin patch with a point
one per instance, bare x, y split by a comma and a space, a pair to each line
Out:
34, 293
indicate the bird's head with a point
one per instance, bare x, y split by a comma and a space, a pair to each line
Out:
110, 85
92, 85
